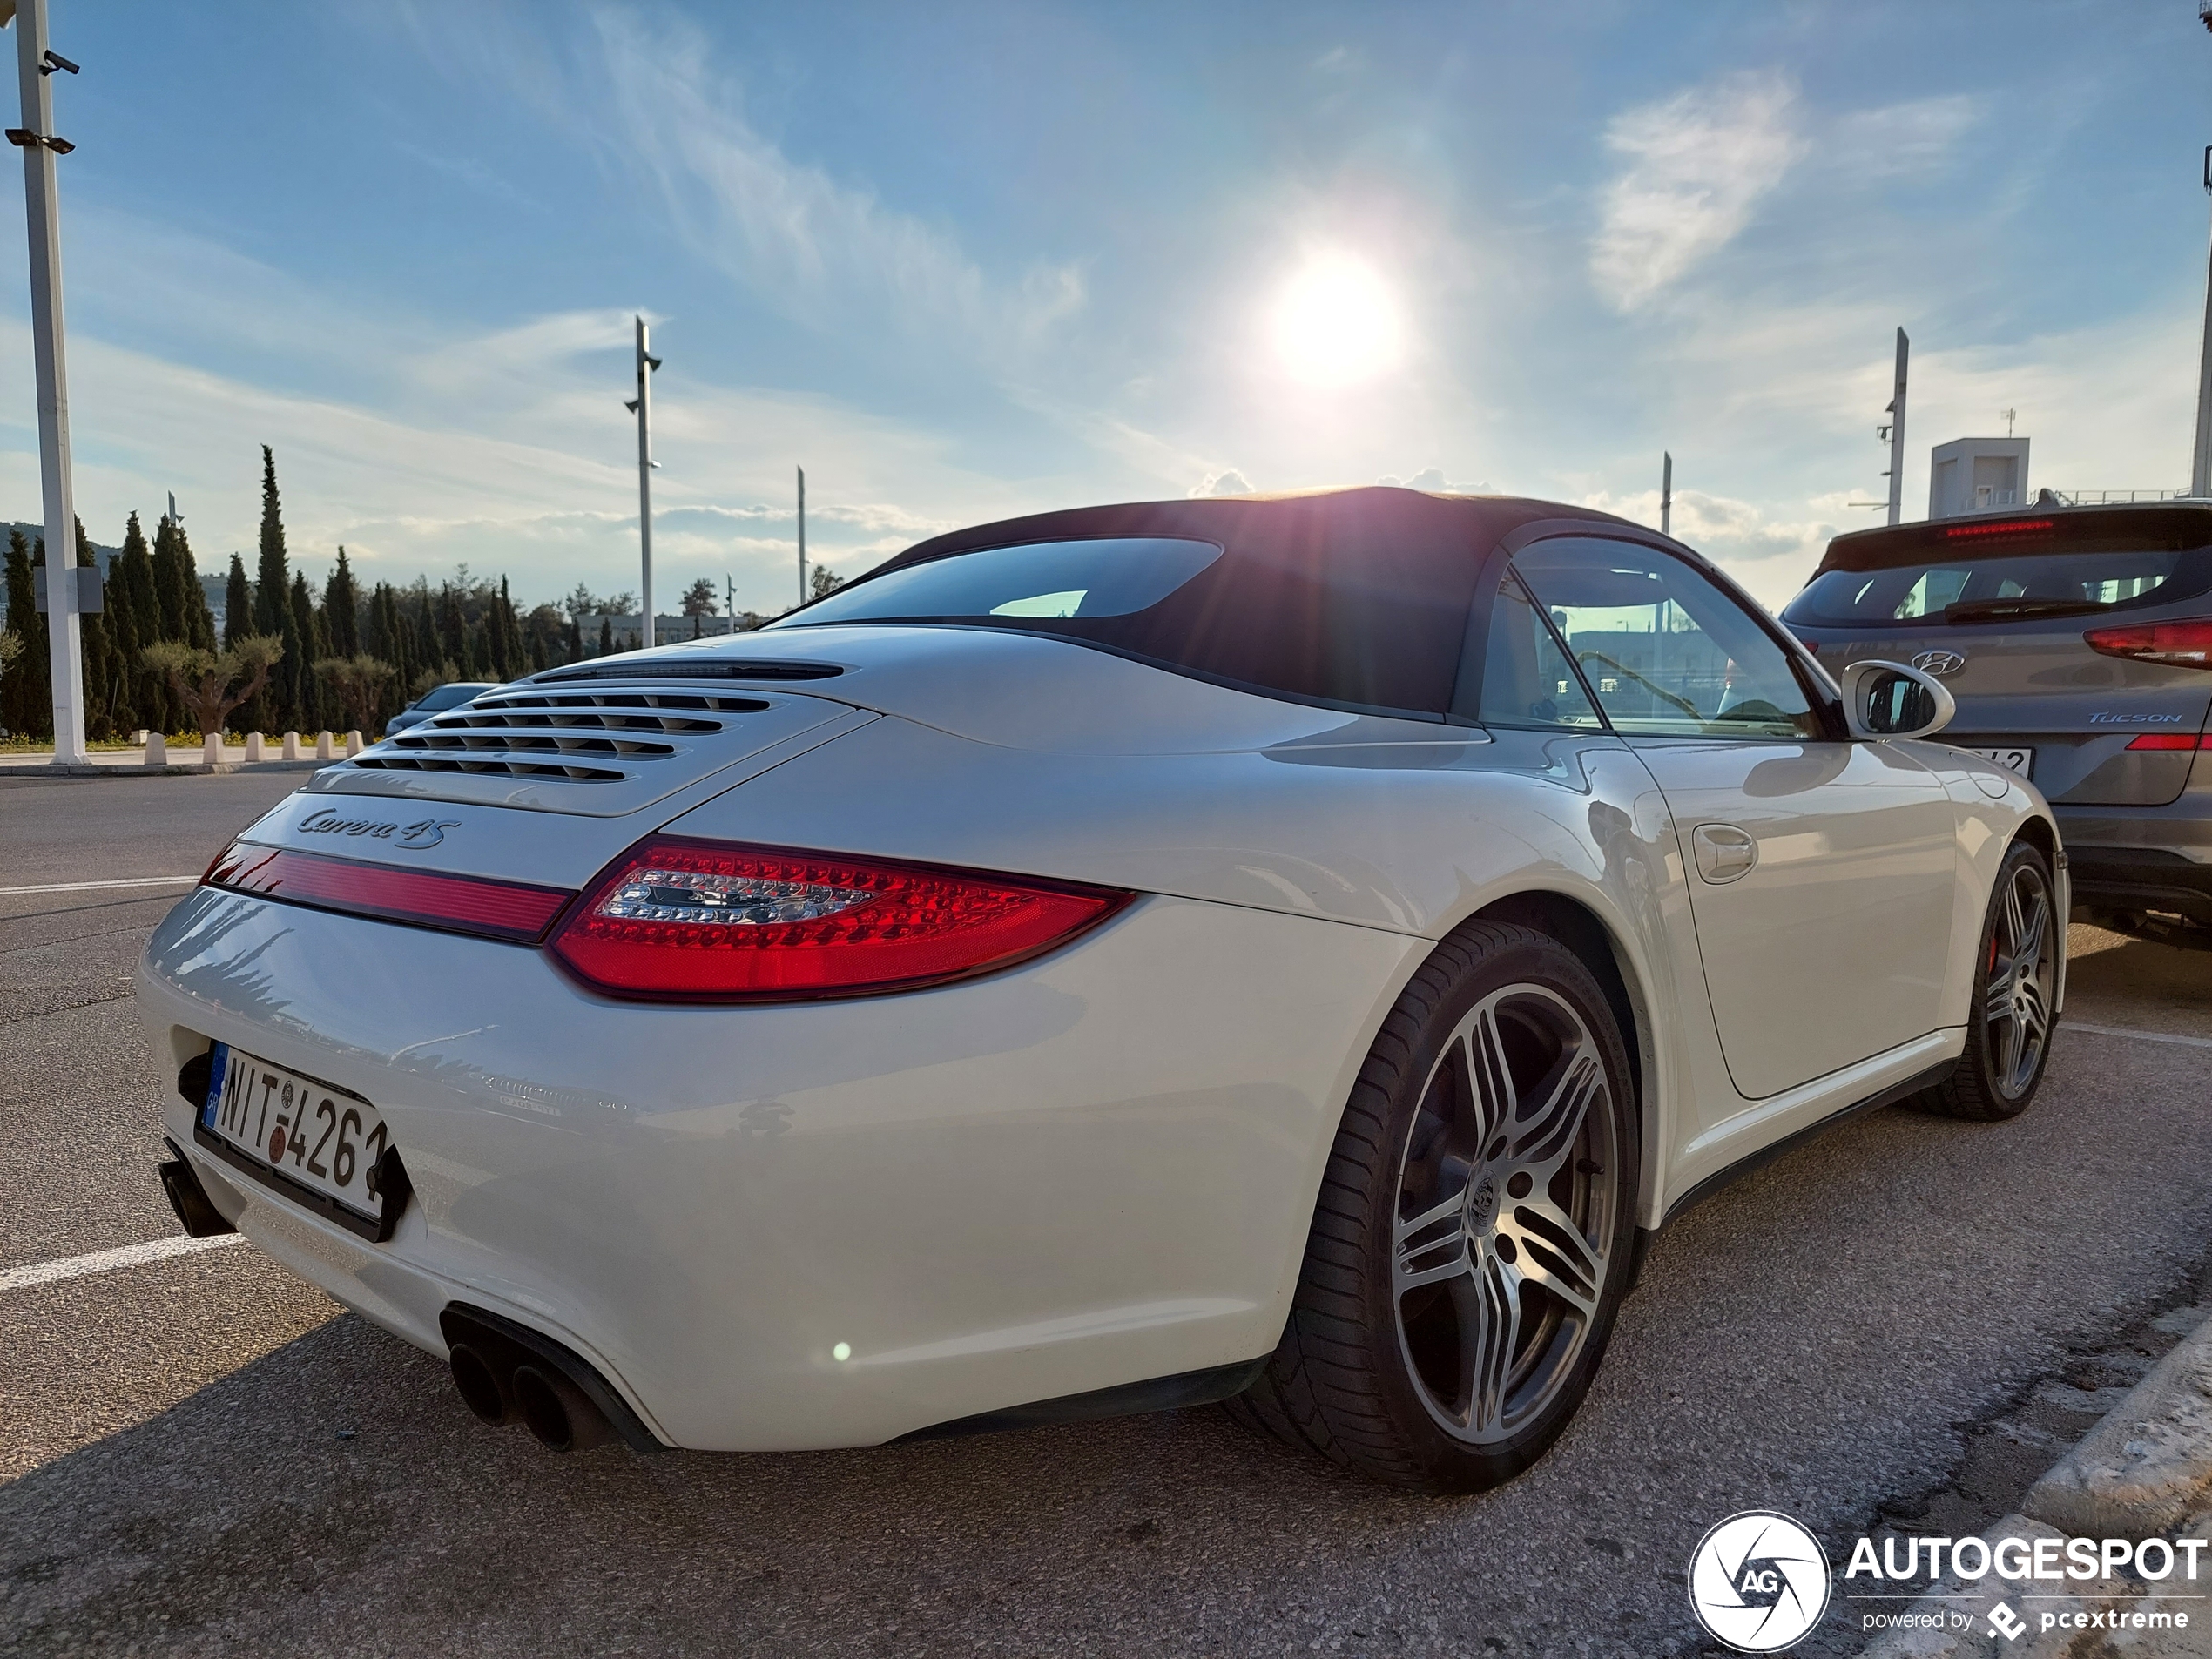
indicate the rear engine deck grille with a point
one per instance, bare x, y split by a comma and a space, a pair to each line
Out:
587, 737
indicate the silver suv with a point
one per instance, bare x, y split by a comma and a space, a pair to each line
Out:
2078, 641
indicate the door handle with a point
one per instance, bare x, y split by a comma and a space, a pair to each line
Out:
1724, 853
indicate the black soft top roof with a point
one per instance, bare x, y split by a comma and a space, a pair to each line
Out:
1355, 598
1458, 522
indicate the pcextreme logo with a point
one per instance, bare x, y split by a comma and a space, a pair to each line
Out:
1758, 1581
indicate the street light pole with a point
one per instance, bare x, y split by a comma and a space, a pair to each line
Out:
1666, 493
2200, 458
1896, 431
642, 407
802, 535
36, 139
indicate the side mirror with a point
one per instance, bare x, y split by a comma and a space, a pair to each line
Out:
1890, 700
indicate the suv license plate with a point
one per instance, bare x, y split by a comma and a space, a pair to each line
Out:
2020, 760
292, 1132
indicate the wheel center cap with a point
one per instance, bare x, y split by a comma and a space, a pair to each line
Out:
1482, 1205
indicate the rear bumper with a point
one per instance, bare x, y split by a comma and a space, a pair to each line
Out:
2143, 858
816, 1224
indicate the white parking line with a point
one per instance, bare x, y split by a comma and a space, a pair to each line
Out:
89, 886
2146, 1036
106, 1261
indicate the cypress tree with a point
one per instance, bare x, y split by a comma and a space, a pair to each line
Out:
134, 613
200, 622
238, 604
576, 639
253, 715
273, 610
306, 631
168, 585
26, 697
107, 709
508, 655
606, 635
340, 606
429, 655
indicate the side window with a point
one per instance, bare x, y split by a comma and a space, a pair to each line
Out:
1668, 653
1526, 678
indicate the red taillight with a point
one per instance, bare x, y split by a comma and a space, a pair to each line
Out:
2186, 644
2170, 741
684, 921
458, 904
1979, 530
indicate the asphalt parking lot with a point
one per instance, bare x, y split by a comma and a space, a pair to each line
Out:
200, 1455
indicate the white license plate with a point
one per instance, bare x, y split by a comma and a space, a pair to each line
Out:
308, 1134
2020, 760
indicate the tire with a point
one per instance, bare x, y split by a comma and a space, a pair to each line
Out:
1996, 1079
1451, 1214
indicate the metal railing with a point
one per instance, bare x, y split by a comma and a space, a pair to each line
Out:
2115, 497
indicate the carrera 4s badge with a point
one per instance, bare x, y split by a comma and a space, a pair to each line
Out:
426, 832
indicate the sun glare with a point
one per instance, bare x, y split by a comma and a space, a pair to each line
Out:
1337, 322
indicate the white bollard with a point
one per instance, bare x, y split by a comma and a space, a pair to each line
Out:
292, 746
211, 752
157, 749
353, 744
323, 745
253, 747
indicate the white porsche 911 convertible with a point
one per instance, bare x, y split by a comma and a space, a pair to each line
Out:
1296, 951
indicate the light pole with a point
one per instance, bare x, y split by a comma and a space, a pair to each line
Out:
2200, 457
802, 535
642, 407
1666, 493
36, 139
1896, 431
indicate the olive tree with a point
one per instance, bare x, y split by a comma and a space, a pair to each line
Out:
359, 681
210, 684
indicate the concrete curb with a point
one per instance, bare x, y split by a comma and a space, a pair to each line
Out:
1978, 1598
2144, 1471
2146, 1466
46, 772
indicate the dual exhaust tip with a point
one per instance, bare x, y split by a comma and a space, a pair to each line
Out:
506, 1372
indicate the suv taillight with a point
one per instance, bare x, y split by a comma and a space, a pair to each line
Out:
2185, 644
674, 919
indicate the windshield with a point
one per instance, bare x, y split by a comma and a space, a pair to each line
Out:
1108, 576
448, 697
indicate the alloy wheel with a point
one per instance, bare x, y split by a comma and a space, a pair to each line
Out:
1506, 1196
2016, 998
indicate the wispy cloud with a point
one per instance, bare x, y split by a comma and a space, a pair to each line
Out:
820, 249
1696, 165
1900, 140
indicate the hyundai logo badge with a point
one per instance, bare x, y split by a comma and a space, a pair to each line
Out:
1941, 664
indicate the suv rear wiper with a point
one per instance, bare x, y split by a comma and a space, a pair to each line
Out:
2017, 609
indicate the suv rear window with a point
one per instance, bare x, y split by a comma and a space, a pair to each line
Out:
1961, 571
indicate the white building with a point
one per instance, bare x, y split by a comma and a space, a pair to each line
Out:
1977, 475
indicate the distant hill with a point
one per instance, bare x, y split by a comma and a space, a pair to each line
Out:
32, 532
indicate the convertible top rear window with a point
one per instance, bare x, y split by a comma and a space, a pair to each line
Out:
1358, 598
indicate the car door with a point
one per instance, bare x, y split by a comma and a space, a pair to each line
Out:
1822, 871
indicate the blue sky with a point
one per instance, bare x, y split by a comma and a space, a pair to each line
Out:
966, 261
